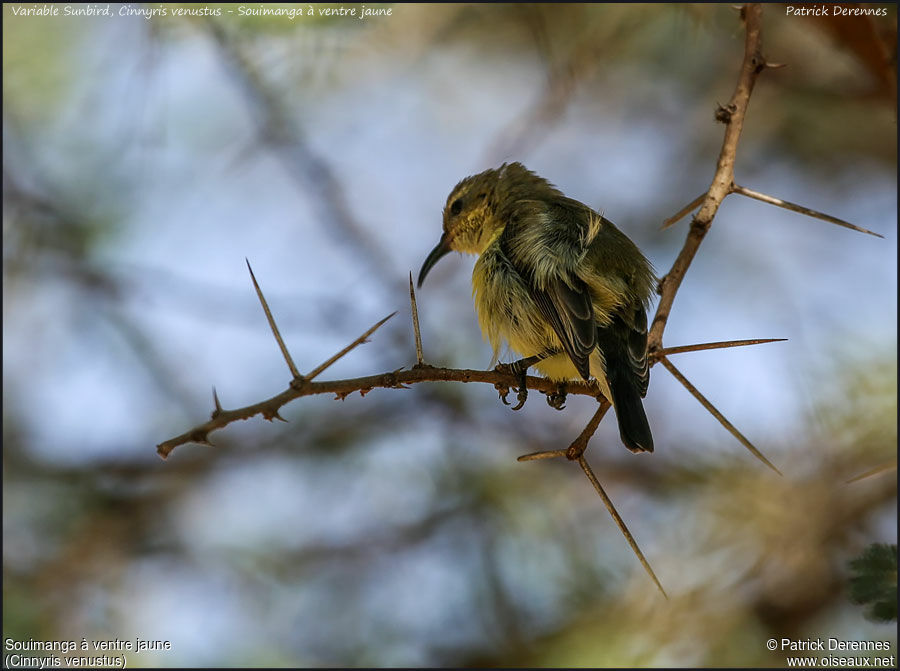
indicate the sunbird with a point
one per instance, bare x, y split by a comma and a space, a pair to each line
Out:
559, 283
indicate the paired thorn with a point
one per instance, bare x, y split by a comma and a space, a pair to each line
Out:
715, 413
771, 200
793, 207
666, 351
878, 470
262, 299
683, 212
415, 319
218, 408
297, 378
359, 341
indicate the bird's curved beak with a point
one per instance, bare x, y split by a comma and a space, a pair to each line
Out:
442, 248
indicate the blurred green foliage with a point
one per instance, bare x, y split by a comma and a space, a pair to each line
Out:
874, 581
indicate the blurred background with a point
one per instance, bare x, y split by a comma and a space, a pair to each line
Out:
145, 158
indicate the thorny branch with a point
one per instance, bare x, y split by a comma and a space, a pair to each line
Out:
588, 471
723, 184
733, 116
715, 413
398, 379
787, 205
278, 130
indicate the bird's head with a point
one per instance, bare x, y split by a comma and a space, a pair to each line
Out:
471, 214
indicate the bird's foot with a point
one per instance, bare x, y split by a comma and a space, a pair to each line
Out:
519, 369
557, 399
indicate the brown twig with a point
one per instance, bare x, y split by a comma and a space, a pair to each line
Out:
342, 388
793, 207
733, 117
284, 350
715, 413
579, 445
391, 380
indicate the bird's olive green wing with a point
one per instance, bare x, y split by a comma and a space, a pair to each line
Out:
569, 311
634, 320
614, 254
565, 305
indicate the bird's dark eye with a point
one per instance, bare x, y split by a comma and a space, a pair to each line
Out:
456, 207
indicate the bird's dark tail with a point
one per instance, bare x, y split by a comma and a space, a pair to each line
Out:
625, 354
633, 425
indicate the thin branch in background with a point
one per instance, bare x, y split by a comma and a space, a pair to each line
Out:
878, 470
284, 350
533, 16
415, 320
793, 207
666, 351
715, 413
168, 380
620, 522
278, 129
521, 135
359, 341
683, 212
